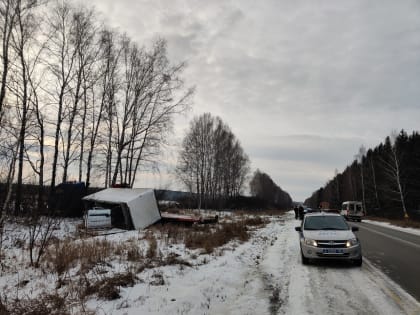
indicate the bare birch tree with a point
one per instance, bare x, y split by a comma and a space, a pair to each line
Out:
61, 63
212, 163
152, 92
23, 38
82, 37
394, 171
9, 151
360, 158
97, 115
7, 22
77, 94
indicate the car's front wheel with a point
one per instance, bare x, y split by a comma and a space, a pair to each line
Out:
305, 261
358, 262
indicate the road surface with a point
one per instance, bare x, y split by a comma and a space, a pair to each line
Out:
394, 252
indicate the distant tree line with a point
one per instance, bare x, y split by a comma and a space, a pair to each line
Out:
263, 187
79, 100
386, 179
212, 164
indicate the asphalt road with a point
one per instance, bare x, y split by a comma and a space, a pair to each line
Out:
396, 253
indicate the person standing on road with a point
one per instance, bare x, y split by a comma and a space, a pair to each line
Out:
301, 212
296, 212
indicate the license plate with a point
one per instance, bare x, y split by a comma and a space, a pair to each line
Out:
332, 251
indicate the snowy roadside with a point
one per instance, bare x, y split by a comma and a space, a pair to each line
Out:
265, 276
229, 283
394, 227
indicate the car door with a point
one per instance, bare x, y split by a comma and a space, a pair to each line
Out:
358, 210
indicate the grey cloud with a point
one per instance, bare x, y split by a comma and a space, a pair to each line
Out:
344, 72
314, 149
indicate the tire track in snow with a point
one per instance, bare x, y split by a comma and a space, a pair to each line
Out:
333, 286
275, 270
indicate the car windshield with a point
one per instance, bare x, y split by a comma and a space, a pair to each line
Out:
325, 223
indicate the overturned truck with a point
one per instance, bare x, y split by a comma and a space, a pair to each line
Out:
131, 208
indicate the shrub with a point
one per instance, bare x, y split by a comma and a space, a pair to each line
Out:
52, 304
109, 288
62, 256
152, 250
134, 253
217, 237
255, 221
65, 254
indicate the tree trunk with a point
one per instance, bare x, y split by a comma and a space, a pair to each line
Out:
82, 140
56, 141
398, 179
375, 186
22, 133
9, 182
10, 14
70, 129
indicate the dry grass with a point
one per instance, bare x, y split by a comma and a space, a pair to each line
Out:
152, 251
134, 253
217, 237
255, 221
208, 237
109, 288
53, 304
221, 235
266, 212
3, 308
64, 255
174, 259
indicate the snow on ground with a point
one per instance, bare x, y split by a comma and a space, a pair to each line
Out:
265, 276
227, 284
395, 227
262, 276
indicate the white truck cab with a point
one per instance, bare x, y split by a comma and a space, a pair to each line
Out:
352, 210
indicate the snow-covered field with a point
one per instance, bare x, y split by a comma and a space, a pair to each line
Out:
261, 276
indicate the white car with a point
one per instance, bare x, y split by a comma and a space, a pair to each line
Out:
328, 236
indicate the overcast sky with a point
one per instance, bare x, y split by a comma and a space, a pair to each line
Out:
302, 84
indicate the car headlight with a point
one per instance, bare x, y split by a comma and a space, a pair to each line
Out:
311, 242
352, 242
